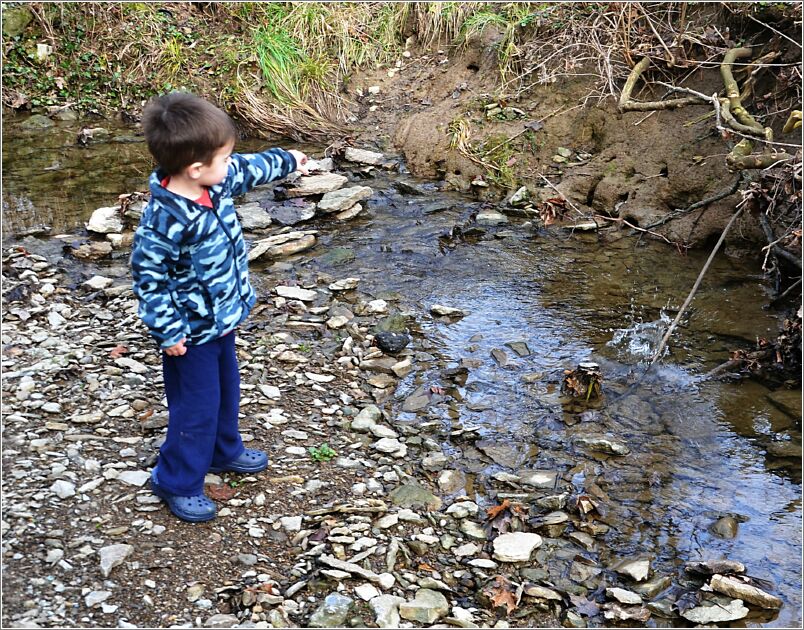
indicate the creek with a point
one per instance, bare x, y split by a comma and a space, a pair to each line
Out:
700, 449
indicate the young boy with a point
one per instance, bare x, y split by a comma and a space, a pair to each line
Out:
191, 278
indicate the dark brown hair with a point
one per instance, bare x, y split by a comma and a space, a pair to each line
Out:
181, 129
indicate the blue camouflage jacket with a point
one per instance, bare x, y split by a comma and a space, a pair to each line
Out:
189, 261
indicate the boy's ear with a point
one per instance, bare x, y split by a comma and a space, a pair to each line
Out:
194, 170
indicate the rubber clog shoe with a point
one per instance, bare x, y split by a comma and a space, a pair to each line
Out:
251, 461
195, 509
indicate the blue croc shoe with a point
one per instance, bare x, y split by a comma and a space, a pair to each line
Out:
196, 509
251, 461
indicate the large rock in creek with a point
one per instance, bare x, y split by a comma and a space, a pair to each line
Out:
735, 587
282, 245
361, 156
716, 610
253, 217
291, 212
106, 221
316, 185
343, 199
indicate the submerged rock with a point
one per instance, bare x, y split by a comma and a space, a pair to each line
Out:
716, 611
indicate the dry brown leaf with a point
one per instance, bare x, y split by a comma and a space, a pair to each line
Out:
118, 351
494, 512
219, 491
145, 415
502, 594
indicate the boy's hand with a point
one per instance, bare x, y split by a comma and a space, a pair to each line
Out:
177, 350
301, 160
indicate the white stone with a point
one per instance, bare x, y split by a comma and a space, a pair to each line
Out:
386, 610
131, 364
296, 293
99, 282
467, 549
105, 221
366, 591
291, 523
361, 156
63, 489
112, 556
448, 311
491, 217
270, 391
96, 597
316, 185
134, 477
716, 614
320, 378
349, 213
515, 546
377, 307
623, 596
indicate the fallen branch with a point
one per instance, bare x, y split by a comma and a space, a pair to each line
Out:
698, 204
627, 105
695, 286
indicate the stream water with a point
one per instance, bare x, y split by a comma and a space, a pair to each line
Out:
699, 449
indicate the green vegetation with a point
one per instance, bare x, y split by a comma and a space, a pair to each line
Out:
322, 453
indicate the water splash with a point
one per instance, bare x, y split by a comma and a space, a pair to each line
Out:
640, 340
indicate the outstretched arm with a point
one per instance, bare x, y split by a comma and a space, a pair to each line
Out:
248, 170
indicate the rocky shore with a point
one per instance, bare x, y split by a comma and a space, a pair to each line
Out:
359, 520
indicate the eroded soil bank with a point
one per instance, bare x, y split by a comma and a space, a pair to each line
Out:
444, 451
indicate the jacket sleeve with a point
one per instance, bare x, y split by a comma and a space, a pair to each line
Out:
248, 170
152, 257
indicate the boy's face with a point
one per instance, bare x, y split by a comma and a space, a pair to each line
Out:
215, 172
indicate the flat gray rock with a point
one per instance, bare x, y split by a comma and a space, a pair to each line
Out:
343, 199
316, 185
253, 217
361, 156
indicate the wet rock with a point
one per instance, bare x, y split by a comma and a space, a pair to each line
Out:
338, 256
390, 342
788, 401
736, 588
603, 445
392, 323
516, 546
428, 606
520, 348
654, 586
316, 185
710, 567
332, 613
362, 156
520, 197
447, 311
346, 284
716, 611
96, 283
282, 245
725, 527
386, 610
350, 213
113, 556
343, 199
94, 250
503, 453
473, 530
411, 495
36, 121
450, 481
291, 212
637, 570
106, 220
491, 217
500, 357
538, 478
253, 217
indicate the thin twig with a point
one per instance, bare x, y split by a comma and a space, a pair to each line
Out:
563, 196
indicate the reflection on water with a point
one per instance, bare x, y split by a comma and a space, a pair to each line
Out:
699, 450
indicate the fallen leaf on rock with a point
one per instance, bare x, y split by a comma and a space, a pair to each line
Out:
219, 491
423, 566
118, 351
435, 389
495, 511
145, 415
502, 593
688, 600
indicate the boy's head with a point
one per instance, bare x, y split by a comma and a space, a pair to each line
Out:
182, 129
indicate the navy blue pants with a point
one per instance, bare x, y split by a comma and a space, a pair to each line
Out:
203, 393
